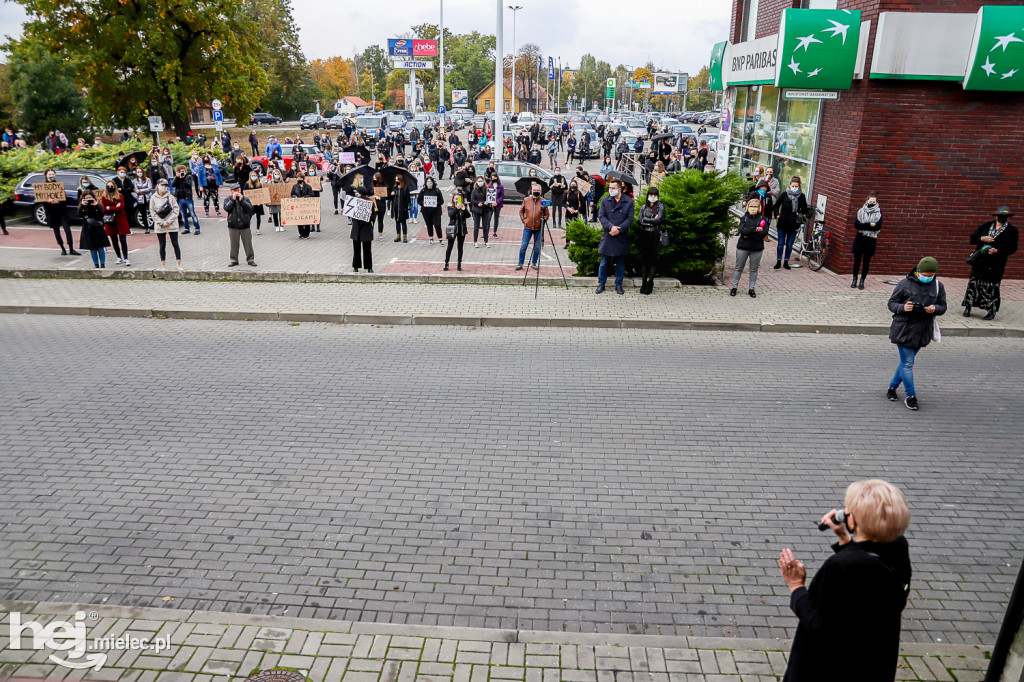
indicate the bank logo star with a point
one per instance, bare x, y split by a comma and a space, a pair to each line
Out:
838, 29
813, 73
1004, 41
793, 65
1009, 74
988, 67
806, 41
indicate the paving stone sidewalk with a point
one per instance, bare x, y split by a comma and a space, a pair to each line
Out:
204, 646
687, 307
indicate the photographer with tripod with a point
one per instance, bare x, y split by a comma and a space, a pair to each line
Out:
857, 596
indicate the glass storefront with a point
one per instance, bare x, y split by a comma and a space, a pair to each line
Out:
770, 130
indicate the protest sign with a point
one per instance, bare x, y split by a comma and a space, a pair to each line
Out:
347, 158
44, 191
276, 191
430, 201
304, 211
492, 195
314, 182
258, 196
380, 191
584, 187
358, 209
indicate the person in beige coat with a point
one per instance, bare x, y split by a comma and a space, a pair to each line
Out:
163, 211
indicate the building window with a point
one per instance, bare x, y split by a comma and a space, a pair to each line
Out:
487, 104
748, 29
818, 4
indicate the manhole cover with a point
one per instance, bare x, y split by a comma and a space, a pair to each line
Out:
277, 676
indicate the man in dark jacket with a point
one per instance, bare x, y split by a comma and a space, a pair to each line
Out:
301, 190
857, 596
240, 211
254, 142
616, 216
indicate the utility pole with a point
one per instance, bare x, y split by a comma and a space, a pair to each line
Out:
440, 95
499, 89
515, 11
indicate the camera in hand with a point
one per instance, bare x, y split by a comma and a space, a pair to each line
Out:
839, 518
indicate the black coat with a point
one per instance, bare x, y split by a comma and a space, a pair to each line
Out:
239, 212
93, 235
477, 196
914, 329
400, 202
457, 218
750, 238
362, 230
991, 268
788, 220
849, 627
427, 192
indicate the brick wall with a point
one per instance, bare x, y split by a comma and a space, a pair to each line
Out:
941, 158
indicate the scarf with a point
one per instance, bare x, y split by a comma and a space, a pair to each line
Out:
794, 198
996, 230
868, 214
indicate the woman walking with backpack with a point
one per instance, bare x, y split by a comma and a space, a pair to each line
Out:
914, 304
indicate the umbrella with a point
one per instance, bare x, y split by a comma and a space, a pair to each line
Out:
663, 136
392, 172
362, 154
523, 185
139, 156
366, 172
619, 175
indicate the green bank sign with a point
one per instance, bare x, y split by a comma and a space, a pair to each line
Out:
715, 67
996, 59
817, 48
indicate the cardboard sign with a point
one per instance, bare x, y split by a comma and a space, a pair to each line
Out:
277, 190
314, 182
380, 192
430, 201
492, 195
347, 158
420, 179
303, 168
584, 187
258, 195
305, 211
44, 191
358, 209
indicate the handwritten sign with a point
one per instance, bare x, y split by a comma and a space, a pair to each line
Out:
44, 191
305, 211
314, 182
347, 158
302, 167
420, 179
277, 190
430, 201
258, 195
380, 191
584, 187
492, 195
358, 209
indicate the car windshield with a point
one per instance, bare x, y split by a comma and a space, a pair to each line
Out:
365, 122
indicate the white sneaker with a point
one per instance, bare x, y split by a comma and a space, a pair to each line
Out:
475, 245
127, 262
431, 242
488, 245
119, 261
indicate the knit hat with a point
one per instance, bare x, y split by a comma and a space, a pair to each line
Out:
928, 264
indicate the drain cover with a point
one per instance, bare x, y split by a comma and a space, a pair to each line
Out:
277, 676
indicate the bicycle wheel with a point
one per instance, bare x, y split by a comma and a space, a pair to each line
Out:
816, 254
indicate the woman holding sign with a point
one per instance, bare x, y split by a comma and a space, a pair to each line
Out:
277, 177
362, 230
57, 216
254, 184
400, 209
431, 200
380, 201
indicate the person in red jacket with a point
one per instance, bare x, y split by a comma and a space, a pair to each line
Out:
115, 221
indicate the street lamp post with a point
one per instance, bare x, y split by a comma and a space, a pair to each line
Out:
440, 66
499, 82
515, 10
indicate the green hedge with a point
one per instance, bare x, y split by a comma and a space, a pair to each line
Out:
16, 164
696, 216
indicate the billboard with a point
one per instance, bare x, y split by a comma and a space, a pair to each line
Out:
399, 47
669, 83
460, 98
408, 47
424, 48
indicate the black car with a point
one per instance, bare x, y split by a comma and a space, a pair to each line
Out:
312, 122
263, 118
24, 195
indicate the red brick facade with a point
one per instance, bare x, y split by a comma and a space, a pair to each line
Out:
941, 158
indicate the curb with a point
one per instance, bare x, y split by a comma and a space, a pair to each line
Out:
497, 321
309, 277
455, 632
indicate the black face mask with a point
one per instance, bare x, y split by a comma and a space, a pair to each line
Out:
536, 194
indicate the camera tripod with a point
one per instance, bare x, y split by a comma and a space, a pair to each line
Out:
539, 248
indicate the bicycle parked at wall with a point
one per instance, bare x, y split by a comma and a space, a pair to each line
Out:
815, 241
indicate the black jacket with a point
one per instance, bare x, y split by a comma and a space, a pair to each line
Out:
750, 238
182, 186
239, 212
400, 202
427, 192
788, 221
301, 190
93, 235
914, 329
649, 217
849, 627
991, 268
478, 196
362, 230
457, 218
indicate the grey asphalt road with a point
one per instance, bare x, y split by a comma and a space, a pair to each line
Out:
582, 480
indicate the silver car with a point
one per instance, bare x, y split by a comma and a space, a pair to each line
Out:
509, 172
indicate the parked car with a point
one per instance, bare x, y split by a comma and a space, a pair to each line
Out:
369, 126
509, 172
288, 155
312, 122
25, 198
396, 122
337, 122
263, 118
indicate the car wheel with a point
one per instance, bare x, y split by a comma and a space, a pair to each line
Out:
140, 216
39, 213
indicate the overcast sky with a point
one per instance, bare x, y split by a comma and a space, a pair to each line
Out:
676, 36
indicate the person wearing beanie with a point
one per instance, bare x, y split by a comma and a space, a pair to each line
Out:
915, 304
994, 242
753, 233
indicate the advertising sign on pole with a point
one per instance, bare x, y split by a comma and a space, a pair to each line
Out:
460, 98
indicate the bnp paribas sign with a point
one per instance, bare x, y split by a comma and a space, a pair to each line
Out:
817, 48
996, 59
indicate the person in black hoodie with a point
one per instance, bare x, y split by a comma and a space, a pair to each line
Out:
400, 209
93, 237
791, 214
652, 213
996, 241
302, 190
361, 233
914, 304
481, 210
457, 229
753, 233
432, 214
558, 188
857, 597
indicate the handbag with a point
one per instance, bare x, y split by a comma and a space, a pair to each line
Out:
109, 219
450, 232
664, 238
936, 332
164, 210
977, 254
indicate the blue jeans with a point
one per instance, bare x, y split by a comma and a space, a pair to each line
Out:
414, 208
527, 236
905, 370
99, 256
188, 207
786, 240
620, 270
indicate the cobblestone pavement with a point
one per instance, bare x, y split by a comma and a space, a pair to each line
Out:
207, 646
577, 480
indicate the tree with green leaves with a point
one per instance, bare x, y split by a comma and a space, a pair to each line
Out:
43, 91
139, 57
291, 90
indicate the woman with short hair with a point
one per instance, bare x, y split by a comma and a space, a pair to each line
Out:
856, 598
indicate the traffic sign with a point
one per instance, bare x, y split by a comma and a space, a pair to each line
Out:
215, 104
156, 124
338, 105
219, 125
218, 115
440, 109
